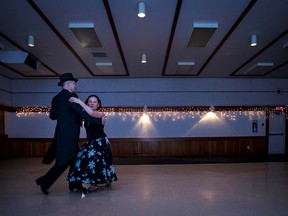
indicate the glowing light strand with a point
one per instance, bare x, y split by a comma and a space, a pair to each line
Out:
174, 113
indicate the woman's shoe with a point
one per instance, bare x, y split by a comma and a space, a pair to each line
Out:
108, 185
79, 188
92, 188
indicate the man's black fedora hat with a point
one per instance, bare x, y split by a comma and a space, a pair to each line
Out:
65, 77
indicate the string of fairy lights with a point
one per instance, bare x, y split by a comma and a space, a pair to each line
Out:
174, 113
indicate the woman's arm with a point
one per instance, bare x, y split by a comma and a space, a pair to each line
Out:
96, 114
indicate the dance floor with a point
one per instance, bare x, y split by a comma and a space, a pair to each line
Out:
180, 189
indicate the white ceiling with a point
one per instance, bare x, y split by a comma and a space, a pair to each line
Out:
163, 35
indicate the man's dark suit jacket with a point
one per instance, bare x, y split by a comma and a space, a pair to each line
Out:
66, 137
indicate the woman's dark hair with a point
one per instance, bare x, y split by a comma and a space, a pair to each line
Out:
99, 101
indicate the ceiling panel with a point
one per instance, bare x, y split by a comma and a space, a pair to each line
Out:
163, 35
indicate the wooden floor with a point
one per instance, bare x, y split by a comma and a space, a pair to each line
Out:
200, 189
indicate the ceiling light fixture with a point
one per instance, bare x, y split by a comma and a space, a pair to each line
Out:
31, 41
202, 34
86, 34
143, 60
19, 60
253, 40
141, 10
185, 67
103, 64
259, 69
105, 68
186, 63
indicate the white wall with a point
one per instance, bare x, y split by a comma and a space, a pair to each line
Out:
40, 126
152, 92
159, 91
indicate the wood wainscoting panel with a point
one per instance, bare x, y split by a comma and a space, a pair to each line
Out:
159, 147
27, 147
124, 147
5, 150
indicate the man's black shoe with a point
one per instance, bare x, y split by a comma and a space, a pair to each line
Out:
44, 190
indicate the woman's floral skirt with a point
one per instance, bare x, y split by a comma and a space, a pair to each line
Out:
94, 163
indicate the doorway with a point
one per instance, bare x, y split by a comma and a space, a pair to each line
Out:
276, 144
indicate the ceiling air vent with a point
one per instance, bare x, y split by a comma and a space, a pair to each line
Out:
201, 34
86, 35
99, 55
